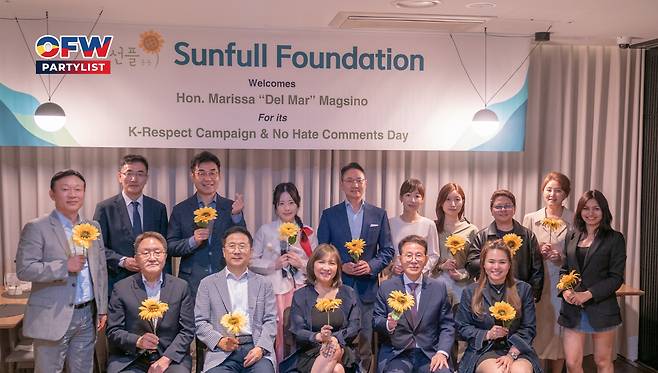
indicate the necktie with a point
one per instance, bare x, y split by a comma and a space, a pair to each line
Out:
414, 310
137, 219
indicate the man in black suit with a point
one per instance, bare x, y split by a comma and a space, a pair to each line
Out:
134, 344
125, 216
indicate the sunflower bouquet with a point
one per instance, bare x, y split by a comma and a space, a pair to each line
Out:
455, 243
513, 241
234, 322
568, 281
552, 225
503, 312
399, 301
355, 248
328, 305
84, 235
288, 232
204, 215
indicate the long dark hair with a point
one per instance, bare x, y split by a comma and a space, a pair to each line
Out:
291, 189
442, 197
606, 221
511, 294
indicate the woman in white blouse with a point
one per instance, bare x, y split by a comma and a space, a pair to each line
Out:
283, 264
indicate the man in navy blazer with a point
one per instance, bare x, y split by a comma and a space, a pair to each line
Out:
200, 249
355, 219
421, 338
116, 216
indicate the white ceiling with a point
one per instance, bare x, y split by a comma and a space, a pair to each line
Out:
571, 21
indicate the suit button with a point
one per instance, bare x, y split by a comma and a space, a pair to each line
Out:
70, 304
73, 284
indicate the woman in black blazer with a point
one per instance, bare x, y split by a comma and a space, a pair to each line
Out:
598, 253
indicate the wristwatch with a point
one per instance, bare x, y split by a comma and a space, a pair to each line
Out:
513, 355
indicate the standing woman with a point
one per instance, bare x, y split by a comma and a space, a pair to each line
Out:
598, 253
493, 347
411, 222
283, 264
555, 189
450, 221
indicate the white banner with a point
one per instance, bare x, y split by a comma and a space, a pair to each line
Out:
254, 89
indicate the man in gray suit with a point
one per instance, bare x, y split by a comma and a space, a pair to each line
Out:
236, 289
68, 302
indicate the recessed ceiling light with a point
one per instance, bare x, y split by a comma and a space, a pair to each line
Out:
415, 3
481, 5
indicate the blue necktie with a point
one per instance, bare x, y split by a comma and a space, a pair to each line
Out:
414, 310
137, 219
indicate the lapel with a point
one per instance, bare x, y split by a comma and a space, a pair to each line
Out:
165, 291
140, 295
147, 215
365, 223
596, 244
218, 224
124, 218
488, 303
253, 286
407, 314
571, 251
422, 304
222, 288
58, 230
343, 225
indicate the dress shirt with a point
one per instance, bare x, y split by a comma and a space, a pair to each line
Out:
84, 290
238, 290
355, 219
153, 292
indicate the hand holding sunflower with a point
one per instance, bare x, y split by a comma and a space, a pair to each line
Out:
399, 301
355, 248
204, 215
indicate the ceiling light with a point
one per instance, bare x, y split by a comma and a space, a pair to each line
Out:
481, 5
485, 121
415, 3
50, 117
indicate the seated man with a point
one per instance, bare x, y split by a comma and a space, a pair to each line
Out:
420, 340
236, 290
134, 344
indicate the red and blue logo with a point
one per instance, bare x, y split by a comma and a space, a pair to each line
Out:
93, 49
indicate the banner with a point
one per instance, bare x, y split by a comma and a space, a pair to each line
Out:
171, 87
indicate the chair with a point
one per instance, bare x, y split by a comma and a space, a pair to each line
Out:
21, 356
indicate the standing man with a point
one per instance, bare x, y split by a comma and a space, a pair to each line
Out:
355, 219
68, 302
200, 249
421, 339
125, 216
236, 289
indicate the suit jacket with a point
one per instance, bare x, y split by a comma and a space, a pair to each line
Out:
602, 274
41, 258
433, 330
205, 259
112, 215
175, 330
213, 301
474, 329
335, 229
528, 262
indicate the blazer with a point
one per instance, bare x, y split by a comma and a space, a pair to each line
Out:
528, 262
112, 215
213, 301
175, 330
205, 259
433, 330
41, 258
334, 229
602, 274
474, 330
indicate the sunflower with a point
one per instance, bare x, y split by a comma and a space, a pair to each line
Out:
152, 309
568, 281
455, 243
551, 223
399, 302
328, 305
355, 248
204, 215
234, 321
513, 241
288, 231
84, 234
503, 311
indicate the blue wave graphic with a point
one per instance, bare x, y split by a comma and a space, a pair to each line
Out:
12, 132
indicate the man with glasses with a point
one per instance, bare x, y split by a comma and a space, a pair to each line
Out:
237, 290
125, 216
356, 219
528, 263
135, 345
421, 338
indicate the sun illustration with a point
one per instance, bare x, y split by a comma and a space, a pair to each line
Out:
151, 41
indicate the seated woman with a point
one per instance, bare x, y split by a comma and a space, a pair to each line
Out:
323, 346
491, 346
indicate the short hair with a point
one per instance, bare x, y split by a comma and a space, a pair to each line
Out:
237, 229
502, 193
203, 157
133, 158
320, 252
412, 239
410, 185
150, 234
351, 166
606, 219
561, 179
62, 174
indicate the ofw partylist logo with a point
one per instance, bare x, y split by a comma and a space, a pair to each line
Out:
58, 51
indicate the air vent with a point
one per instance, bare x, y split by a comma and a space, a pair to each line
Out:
412, 22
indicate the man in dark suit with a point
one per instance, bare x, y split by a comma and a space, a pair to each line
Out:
134, 344
200, 249
355, 219
125, 216
421, 338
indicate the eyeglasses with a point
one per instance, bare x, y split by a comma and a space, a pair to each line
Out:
352, 181
155, 253
211, 174
410, 257
503, 207
236, 246
137, 175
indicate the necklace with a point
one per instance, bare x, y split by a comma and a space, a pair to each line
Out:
498, 288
